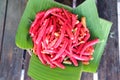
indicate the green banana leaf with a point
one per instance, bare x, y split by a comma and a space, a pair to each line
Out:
41, 72
99, 28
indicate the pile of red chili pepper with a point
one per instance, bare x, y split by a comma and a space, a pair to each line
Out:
60, 38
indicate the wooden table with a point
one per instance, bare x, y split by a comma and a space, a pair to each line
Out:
13, 59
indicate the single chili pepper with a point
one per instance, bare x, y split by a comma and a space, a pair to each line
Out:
63, 56
74, 20
54, 29
49, 27
66, 14
52, 65
89, 51
74, 61
60, 39
52, 10
61, 21
80, 48
87, 37
34, 27
82, 58
69, 32
38, 51
42, 31
61, 50
39, 15
45, 57
52, 43
88, 44
48, 52
77, 32
59, 16
59, 65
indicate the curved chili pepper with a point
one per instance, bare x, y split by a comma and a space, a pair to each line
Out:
38, 51
60, 39
59, 64
34, 27
74, 61
43, 28
66, 14
88, 44
61, 51
52, 10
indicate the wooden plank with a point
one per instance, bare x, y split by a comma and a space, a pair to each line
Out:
11, 60
27, 59
109, 66
118, 9
2, 19
79, 2
87, 76
66, 2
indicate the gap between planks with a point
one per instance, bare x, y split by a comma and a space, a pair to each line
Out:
3, 28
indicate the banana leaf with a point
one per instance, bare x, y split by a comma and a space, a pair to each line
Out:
99, 28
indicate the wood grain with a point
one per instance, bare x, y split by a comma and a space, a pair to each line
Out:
109, 66
3, 4
87, 76
27, 59
66, 2
11, 60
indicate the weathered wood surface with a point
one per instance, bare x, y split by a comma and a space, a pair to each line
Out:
110, 66
13, 60
2, 19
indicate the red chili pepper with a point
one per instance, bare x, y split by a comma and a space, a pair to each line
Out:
63, 57
66, 14
82, 58
34, 27
43, 28
87, 37
38, 51
59, 64
88, 44
74, 20
52, 43
69, 32
59, 16
77, 32
59, 38
39, 15
45, 57
52, 10
74, 61
61, 50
